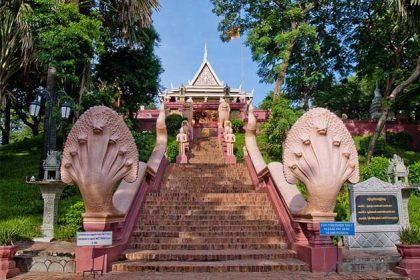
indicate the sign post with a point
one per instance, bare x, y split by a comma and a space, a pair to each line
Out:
336, 229
94, 238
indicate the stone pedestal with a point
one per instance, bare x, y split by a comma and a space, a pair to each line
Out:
51, 192
378, 214
181, 159
316, 250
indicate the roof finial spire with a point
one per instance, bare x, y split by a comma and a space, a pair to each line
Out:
205, 51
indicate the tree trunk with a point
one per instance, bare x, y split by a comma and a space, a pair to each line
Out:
5, 138
382, 120
50, 131
285, 63
283, 68
81, 89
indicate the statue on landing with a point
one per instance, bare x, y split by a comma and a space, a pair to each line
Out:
99, 152
187, 110
224, 112
182, 139
230, 139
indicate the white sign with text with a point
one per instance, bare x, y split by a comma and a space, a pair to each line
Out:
94, 238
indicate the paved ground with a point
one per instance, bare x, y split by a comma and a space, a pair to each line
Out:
209, 276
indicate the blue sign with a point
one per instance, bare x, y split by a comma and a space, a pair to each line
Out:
336, 228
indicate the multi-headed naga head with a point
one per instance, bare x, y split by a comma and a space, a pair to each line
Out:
320, 152
99, 152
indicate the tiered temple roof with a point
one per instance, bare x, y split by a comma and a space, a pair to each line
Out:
205, 87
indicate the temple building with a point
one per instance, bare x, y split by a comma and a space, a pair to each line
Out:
206, 87
202, 95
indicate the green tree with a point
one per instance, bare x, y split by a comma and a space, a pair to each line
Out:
351, 96
281, 119
286, 35
135, 71
15, 51
385, 49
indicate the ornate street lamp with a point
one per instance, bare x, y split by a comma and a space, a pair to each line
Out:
35, 105
65, 110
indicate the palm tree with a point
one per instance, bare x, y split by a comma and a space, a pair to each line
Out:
128, 17
15, 49
409, 12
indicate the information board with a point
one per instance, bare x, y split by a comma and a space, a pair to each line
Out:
94, 238
377, 210
336, 228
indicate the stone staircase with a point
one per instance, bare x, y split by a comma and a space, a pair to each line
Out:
208, 218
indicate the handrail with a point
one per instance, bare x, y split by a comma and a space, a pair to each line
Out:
251, 143
161, 142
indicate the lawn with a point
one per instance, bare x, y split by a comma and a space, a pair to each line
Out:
21, 205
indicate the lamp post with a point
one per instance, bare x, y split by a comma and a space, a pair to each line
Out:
50, 129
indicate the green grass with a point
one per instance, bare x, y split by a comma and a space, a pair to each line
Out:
21, 205
414, 209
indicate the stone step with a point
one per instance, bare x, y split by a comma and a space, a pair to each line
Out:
206, 207
196, 223
210, 196
191, 234
210, 212
213, 266
206, 255
176, 228
207, 240
214, 246
196, 217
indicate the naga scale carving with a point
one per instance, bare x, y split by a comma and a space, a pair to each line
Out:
99, 152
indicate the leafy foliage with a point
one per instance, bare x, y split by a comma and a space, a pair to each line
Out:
364, 145
376, 168
65, 38
414, 173
400, 139
8, 236
145, 142
281, 119
237, 125
70, 218
173, 123
172, 149
134, 72
410, 236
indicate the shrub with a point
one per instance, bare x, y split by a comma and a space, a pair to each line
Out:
173, 123
414, 173
281, 119
379, 148
237, 125
8, 236
70, 220
410, 236
342, 207
145, 142
172, 150
401, 139
376, 168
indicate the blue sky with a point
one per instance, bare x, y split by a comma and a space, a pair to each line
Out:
184, 26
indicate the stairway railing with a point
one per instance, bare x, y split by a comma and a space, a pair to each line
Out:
129, 199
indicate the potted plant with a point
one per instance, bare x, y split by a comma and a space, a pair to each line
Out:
409, 249
7, 251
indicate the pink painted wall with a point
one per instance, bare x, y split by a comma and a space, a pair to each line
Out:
360, 127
